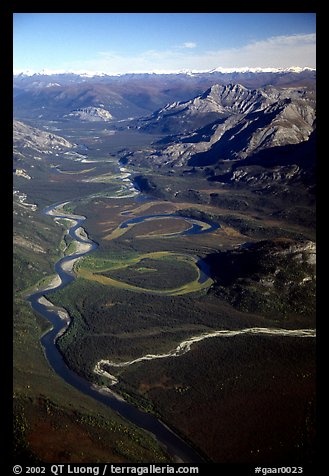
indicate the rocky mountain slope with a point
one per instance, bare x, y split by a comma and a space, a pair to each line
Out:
28, 137
91, 114
229, 122
217, 102
31, 146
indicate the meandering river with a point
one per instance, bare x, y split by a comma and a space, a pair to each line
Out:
60, 320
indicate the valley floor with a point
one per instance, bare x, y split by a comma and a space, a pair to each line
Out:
246, 395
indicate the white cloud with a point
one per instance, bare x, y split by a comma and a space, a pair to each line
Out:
273, 52
278, 51
189, 44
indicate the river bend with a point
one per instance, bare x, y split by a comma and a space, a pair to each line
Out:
60, 320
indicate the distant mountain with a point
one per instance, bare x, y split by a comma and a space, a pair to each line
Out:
228, 122
66, 100
55, 96
91, 114
45, 73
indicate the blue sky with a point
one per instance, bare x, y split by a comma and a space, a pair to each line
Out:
162, 42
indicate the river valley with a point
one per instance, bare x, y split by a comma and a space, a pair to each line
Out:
143, 323
60, 320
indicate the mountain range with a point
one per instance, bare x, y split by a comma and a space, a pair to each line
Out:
56, 96
227, 122
236, 127
86, 74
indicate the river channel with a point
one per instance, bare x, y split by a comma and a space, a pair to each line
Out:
179, 450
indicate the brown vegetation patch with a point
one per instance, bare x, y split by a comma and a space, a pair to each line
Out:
163, 383
52, 436
165, 226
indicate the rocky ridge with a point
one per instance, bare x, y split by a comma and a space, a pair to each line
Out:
25, 136
91, 114
229, 122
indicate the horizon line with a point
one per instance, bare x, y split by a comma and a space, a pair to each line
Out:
243, 69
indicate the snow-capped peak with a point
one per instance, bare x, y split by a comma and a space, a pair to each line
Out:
220, 69
246, 69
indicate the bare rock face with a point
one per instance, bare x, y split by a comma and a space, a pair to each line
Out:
230, 122
91, 114
22, 173
25, 136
